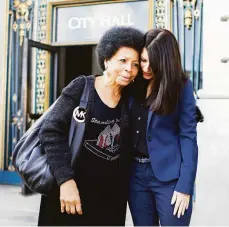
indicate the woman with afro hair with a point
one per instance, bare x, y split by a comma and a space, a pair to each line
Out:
95, 191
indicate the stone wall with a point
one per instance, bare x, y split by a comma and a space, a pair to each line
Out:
212, 184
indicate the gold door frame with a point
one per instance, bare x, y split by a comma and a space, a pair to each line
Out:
3, 88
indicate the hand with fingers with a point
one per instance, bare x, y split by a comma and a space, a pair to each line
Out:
181, 202
70, 198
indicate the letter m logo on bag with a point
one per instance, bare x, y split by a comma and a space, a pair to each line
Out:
79, 114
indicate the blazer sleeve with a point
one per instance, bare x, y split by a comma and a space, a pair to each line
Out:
54, 132
188, 140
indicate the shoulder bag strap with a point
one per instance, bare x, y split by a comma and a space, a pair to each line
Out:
77, 128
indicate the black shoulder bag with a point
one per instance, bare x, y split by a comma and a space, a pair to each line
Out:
29, 157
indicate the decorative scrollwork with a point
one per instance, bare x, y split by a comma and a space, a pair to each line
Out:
22, 10
190, 9
14, 98
18, 119
41, 58
160, 14
11, 167
42, 21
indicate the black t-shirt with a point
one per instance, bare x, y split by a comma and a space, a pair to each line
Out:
97, 164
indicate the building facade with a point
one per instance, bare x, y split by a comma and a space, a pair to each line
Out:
46, 43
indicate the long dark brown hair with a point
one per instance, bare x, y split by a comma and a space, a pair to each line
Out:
169, 77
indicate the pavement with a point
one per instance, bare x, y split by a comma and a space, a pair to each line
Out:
19, 210
16, 209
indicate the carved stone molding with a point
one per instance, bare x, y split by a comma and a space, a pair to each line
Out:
22, 10
41, 57
190, 10
160, 13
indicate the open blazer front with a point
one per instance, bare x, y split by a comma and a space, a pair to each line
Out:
172, 142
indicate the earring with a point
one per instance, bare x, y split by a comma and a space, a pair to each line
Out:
133, 81
105, 73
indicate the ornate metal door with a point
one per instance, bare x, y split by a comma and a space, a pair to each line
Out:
27, 117
31, 90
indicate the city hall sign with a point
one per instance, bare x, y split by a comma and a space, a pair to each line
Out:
103, 21
82, 24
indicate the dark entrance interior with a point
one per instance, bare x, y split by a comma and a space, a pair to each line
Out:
76, 61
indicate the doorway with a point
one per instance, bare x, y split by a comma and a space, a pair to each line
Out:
76, 61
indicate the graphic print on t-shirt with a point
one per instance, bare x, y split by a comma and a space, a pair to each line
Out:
106, 145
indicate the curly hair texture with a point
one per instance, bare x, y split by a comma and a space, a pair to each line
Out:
115, 38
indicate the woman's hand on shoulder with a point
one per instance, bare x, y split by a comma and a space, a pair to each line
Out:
70, 198
181, 202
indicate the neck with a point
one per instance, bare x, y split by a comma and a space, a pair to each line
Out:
113, 87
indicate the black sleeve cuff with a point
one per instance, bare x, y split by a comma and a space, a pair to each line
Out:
63, 174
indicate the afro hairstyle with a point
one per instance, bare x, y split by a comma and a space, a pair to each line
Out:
115, 38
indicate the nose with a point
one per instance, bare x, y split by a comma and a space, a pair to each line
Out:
128, 67
146, 67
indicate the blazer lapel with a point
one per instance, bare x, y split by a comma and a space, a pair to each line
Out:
149, 118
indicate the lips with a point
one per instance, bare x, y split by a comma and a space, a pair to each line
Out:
147, 74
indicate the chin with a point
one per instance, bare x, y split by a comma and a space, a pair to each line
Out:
122, 83
147, 77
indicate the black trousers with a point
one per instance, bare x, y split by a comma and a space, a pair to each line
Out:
100, 208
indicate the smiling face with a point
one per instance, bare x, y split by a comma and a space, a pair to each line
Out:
123, 67
145, 65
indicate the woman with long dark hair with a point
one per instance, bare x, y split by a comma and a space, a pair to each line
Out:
163, 124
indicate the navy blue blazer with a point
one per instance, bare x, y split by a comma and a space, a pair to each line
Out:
172, 142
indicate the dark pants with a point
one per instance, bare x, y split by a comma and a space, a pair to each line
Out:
150, 199
100, 207
96, 212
